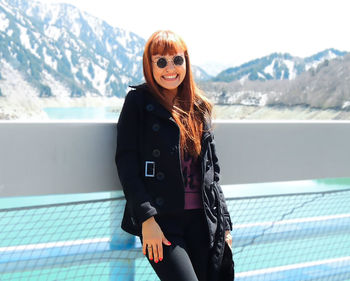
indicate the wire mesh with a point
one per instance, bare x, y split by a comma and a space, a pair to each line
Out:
292, 237
287, 237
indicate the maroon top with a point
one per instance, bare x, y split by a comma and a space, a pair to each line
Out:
192, 180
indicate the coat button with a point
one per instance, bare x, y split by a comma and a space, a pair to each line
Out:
160, 201
208, 165
149, 107
155, 127
160, 176
173, 150
156, 152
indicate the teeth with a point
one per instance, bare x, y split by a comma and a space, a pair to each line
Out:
170, 77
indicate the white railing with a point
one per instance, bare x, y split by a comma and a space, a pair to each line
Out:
74, 157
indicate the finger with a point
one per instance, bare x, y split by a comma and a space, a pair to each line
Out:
160, 251
150, 252
165, 241
155, 253
144, 246
229, 243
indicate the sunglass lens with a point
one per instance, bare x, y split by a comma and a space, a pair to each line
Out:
178, 60
161, 63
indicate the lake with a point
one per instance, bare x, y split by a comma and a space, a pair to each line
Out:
81, 113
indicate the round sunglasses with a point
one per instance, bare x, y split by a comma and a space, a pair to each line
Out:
162, 62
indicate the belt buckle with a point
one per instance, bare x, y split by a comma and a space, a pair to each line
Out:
150, 169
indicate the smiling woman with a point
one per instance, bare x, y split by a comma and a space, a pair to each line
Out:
169, 71
169, 171
166, 61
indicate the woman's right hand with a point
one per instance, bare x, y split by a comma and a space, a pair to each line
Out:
153, 239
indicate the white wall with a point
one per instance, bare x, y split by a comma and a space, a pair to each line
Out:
66, 157
277, 151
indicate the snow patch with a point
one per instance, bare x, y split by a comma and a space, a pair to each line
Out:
243, 79
282, 74
123, 40
4, 22
248, 98
346, 104
330, 55
119, 64
24, 37
69, 55
53, 32
58, 89
135, 69
95, 24
269, 69
53, 10
125, 79
14, 84
108, 47
291, 68
49, 60
261, 75
76, 27
98, 82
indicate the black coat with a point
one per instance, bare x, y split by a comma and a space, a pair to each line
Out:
148, 160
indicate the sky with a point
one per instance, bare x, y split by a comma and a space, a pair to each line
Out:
228, 33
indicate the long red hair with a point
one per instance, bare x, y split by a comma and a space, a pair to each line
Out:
190, 106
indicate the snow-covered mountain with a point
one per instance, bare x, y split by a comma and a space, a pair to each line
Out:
200, 74
55, 49
325, 87
276, 67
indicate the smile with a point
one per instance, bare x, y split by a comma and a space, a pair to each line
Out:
170, 77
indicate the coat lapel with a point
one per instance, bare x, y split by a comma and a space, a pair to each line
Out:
151, 105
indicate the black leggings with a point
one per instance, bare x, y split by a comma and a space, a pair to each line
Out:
187, 257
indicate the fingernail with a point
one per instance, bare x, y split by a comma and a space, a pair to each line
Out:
151, 258
156, 261
161, 259
169, 243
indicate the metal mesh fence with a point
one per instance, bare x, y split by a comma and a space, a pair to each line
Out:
292, 237
287, 237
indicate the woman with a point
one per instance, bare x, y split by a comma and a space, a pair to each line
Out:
169, 170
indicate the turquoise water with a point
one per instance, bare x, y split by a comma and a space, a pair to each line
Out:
81, 113
285, 187
87, 221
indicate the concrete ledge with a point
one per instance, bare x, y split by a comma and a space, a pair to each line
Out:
76, 157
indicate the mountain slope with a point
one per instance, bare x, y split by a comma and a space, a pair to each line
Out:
325, 87
57, 50
57, 46
275, 67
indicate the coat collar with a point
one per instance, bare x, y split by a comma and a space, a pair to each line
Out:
150, 104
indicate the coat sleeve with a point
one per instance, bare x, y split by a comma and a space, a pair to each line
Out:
228, 223
128, 162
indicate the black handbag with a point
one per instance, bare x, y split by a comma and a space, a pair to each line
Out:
227, 271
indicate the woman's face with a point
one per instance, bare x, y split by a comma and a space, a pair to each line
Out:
169, 70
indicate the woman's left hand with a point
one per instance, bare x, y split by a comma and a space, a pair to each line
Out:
228, 238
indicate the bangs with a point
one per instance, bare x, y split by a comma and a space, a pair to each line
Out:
167, 44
